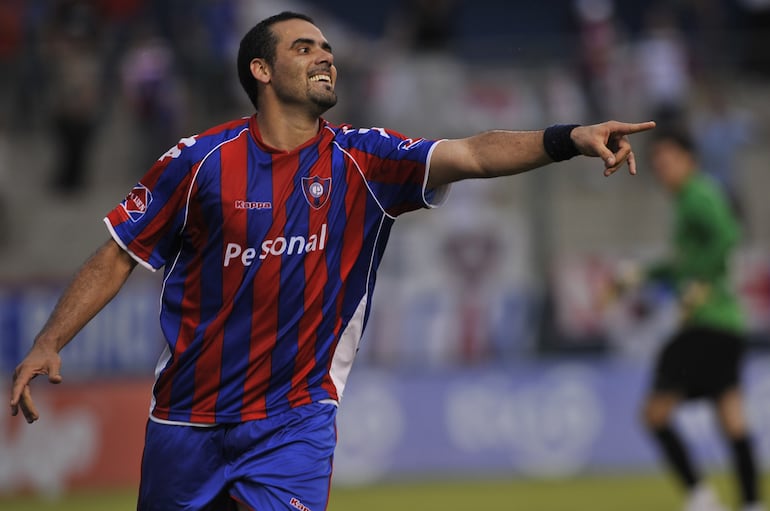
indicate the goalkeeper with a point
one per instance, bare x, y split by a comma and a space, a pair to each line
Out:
703, 359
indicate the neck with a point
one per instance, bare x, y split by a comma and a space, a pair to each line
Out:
286, 128
679, 185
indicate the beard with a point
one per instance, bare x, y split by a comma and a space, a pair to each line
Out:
317, 99
322, 100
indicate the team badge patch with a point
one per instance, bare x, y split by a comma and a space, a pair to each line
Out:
316, 190
137, 201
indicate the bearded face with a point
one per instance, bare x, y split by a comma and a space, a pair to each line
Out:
303, 72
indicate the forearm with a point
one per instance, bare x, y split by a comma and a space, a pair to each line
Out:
488, 154
505, 153
93, 286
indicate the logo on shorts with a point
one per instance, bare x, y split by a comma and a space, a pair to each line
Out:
409, 143
316, 190
296, 504
137, 201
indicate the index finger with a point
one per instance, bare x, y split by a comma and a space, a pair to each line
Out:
27, 406
626, 128
631, 163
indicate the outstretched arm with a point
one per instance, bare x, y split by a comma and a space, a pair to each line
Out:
94, 285
504, 153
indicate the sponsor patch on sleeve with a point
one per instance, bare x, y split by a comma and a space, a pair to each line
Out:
137, 201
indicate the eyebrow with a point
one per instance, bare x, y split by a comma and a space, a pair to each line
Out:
304, 40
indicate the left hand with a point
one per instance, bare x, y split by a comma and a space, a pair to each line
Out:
694, 295
38, 361
609, 141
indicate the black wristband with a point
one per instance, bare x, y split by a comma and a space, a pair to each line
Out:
558, 143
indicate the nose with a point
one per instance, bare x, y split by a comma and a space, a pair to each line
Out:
325, 57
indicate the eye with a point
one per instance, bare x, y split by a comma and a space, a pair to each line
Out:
303, 49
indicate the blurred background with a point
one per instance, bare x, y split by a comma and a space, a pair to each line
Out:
491, 353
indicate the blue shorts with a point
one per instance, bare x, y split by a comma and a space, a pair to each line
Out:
279, 463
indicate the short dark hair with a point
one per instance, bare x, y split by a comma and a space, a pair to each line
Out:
678, 136
260, 43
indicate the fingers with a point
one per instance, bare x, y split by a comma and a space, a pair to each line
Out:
28, 406
631, 160
609, 142
54, 371
606, 154
620, 157
626, 128
32, 366
22, 398
20, 382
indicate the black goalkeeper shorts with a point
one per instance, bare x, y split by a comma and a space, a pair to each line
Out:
700, 362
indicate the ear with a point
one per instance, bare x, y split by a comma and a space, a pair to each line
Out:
260, 70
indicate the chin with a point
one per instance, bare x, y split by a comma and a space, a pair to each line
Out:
324, 103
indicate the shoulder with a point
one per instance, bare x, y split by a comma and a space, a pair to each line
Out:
195, 148
704, 197
702, 189
373, 139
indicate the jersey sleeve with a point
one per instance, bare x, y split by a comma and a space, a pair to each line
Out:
395, 168
148, 222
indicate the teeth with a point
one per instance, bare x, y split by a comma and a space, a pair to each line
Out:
320, 78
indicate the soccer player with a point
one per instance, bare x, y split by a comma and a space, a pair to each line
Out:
269, 230
703, 358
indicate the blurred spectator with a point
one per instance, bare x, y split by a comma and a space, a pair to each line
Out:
74, 89
417, 85
11, 37
756, 21
200, 33
10, 28
122, 17
217, 77
26, 76
710, 45
598, 41
423, 25
152, 92
4, 165
663, 66
563, 97
472, 256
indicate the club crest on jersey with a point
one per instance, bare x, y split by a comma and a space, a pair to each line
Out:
316, 190
137, 201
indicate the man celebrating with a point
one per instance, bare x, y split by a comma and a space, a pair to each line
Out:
269, 230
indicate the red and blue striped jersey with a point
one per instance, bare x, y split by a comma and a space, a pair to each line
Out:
269, 261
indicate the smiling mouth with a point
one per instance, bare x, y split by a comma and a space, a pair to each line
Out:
321, 78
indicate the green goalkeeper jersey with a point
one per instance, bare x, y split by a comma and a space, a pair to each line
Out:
704, 236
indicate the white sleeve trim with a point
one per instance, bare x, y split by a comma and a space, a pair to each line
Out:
181, 423
366, 182
119, 241
442, 192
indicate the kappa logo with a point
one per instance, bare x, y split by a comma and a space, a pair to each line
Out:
316, 190
245, 204
137, 201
